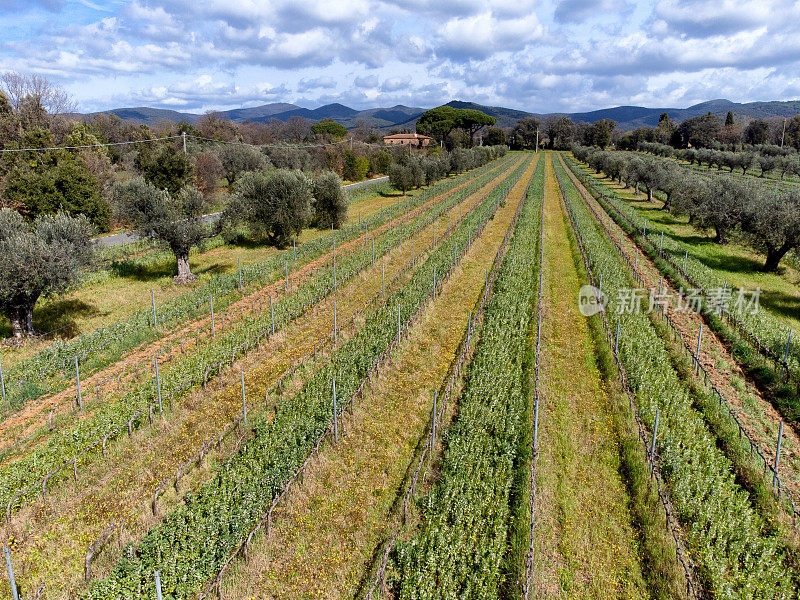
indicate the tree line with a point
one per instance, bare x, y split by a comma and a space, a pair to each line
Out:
35, 113
47, 254
709, 131
762, 159
416, 170
766, 219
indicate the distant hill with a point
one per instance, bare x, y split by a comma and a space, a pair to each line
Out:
148, 116
257, 113
630, 117
506, 117
329, 111
383, 118
405, 117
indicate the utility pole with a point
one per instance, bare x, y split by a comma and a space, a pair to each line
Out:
183, 135
783, 135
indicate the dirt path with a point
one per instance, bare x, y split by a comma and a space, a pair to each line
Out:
52, 536
585, 545
31, 423
756, 413
323, 538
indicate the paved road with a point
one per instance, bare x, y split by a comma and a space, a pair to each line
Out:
117, 238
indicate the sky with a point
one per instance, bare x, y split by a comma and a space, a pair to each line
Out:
535, 55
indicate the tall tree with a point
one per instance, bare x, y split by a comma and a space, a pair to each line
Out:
559, 131
56, 181
600, 132
41, 258
216, 126
699, 132
164, 167
330, 129
756, 132
665, 129
526, 132
36, 89
440, 121
208, 171
792, 135
494, 136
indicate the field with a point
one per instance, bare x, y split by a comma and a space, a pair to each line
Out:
414, 406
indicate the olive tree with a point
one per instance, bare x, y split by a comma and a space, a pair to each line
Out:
276, 205
41, 258
721, 206
330, 201
768, 163
684, 198
671, 181
614, 165
746, 161
174, 218
647, 173
771, 224
401, 177
434, 167
237, 159
461, 160
417, 171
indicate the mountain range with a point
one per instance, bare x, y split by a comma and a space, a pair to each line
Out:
404, 117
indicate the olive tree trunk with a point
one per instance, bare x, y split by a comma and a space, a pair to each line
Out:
21, 318
185, 274
774, 256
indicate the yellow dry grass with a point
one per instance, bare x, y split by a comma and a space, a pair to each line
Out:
585, 544
325, 535
52, 536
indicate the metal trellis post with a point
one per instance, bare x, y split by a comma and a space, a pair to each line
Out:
78, 377
158, 386
272, 313
335, 415
158, 584
697, 358
777, 455
213, 325
2, 381
11, 580
653, 443
244, 401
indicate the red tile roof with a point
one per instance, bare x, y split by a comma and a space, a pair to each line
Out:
406, 136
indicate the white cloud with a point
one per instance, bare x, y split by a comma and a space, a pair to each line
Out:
481, 35
540, 55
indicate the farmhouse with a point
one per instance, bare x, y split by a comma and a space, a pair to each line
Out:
408, 139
